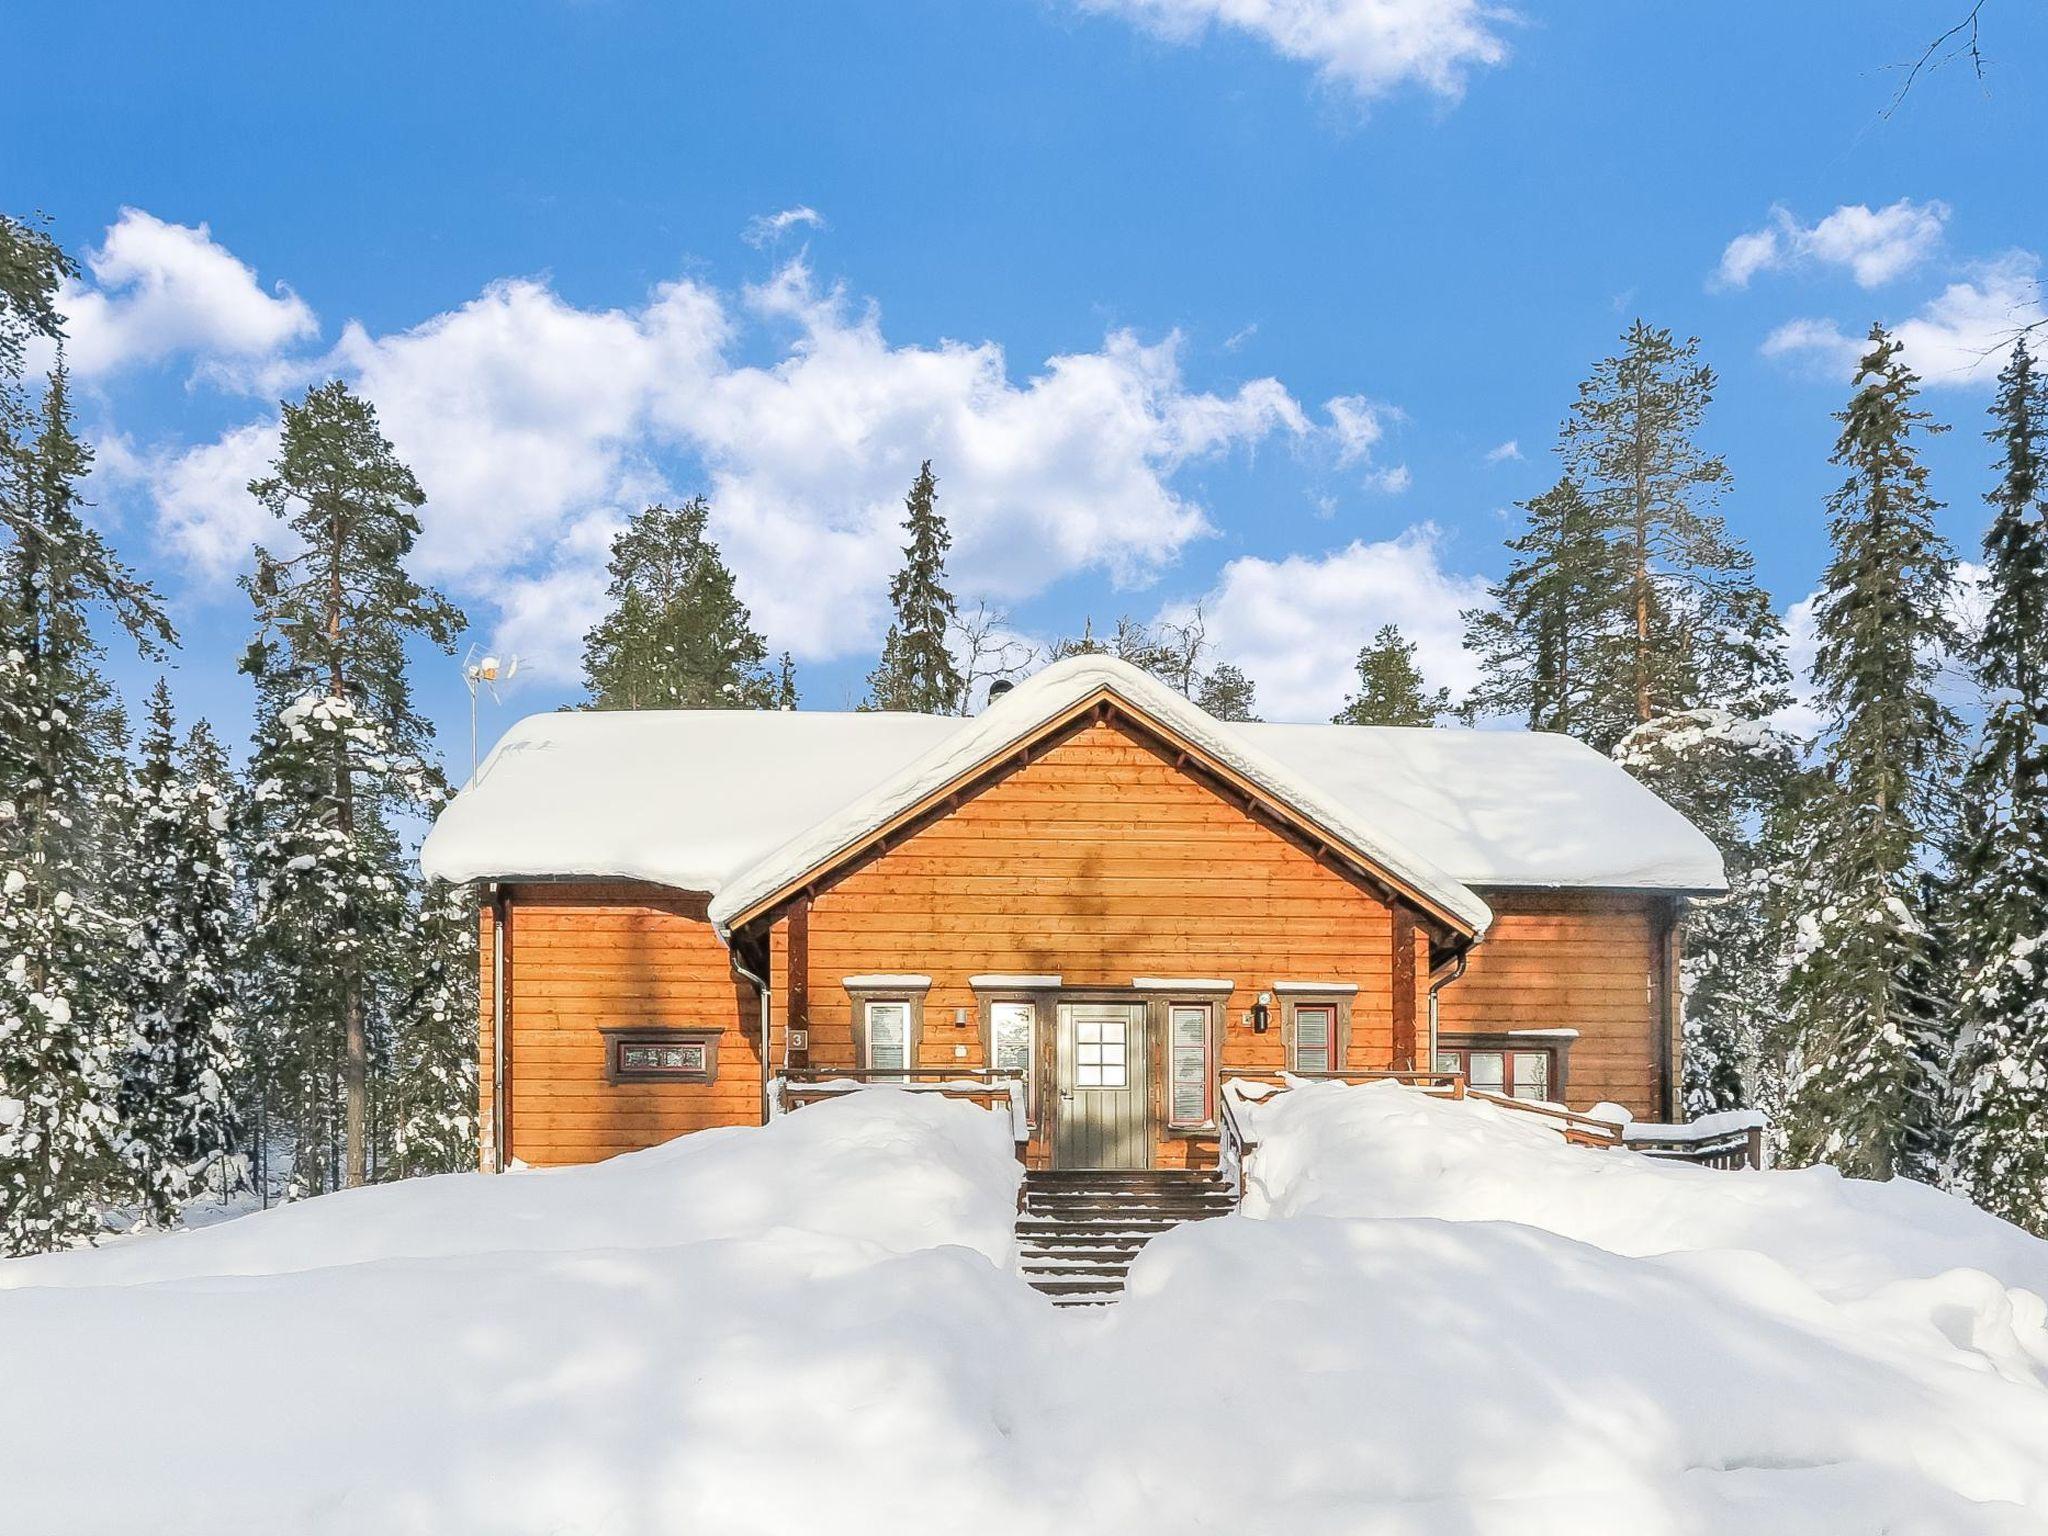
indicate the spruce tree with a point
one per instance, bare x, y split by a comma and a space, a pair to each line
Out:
434, 1047
340, 755
917, 671
180, 1127
1390, 686
1999, 1156
62, 1016
1860, 931
677, 635
1551, 625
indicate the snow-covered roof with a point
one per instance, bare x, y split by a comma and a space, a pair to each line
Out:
738, 804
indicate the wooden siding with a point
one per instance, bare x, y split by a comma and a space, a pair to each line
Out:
589, 956
1586, 961
1101, 861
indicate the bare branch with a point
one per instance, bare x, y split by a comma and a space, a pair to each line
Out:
1963, 40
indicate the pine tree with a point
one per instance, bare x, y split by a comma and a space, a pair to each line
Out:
1694, 629
340, 754
1225, 692
179, 1123
917, 671
1860, 926
677, 635
61, 1022
785, 683
2000, 1093
1543, 642
1390, 686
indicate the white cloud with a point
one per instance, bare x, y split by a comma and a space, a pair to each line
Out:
159, 289
1875, 245
1367, 46
1501, 453
204, 511
1296, 625
1960, 337
536, 426
1391, 481
765, 229
1357, 425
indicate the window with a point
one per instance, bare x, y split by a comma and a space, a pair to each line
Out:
1188, 1076
1514, 1072
1101, 1058
888, 1036
644, 1055
1315, 1035
1013, 1039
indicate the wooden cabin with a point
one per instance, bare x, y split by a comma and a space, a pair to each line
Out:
1092, 889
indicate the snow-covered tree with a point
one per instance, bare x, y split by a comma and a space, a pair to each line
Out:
340, 754
1999, 1157
917, 671
1391, 690
1858, 918
434, 1041
677, 636
180, 1127
61, 1023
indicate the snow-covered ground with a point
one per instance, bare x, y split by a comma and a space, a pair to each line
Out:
1432, 1317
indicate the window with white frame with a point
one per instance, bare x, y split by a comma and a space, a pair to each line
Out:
1189, 1077
1101, 1054
888, 1035
1013, 1043
1513, 1072
1315, 1038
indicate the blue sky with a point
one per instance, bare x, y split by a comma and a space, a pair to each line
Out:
1230, 301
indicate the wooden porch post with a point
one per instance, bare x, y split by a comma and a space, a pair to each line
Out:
1404, 988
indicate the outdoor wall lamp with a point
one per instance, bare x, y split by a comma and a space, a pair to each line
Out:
1262, 1016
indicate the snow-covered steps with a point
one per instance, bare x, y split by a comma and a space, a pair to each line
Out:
1078, 1231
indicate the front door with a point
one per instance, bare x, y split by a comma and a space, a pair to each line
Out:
1099, 1119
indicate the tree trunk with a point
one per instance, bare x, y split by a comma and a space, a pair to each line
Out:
356, 1046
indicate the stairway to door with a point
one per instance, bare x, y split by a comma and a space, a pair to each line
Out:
1079, 1229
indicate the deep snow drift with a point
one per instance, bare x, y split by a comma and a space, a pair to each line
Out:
1433, 1317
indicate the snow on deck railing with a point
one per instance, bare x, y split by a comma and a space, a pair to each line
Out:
988, 1089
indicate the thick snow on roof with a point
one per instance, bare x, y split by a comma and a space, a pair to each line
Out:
1504, 807
736, 803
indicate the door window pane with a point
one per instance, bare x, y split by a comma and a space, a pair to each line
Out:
1449, 1061
888, 1037
1532, 1074
1312, 1031
1099, 1059
1188, 1069
1488, 1071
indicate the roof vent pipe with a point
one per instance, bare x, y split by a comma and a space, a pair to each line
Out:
998, 688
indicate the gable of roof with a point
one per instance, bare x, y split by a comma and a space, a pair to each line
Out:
694, 799
1042, 703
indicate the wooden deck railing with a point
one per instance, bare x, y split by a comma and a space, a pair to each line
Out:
990, 1087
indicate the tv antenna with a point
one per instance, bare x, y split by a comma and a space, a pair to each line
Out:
480, 672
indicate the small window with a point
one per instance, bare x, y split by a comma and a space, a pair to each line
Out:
1013, 1038
1188, 1074
888, 1035
1100, 1054
643, 1055
1314, 1030
1512, 1072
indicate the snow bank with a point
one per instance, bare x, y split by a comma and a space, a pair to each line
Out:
1434, 1318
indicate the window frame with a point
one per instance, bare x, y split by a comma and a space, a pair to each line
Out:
1035, 1002
910, 992
1556, 1048
617, 1038
1208, 1009
1338, 1006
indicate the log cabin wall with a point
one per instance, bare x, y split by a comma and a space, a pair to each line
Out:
582, 958
1590, 961
1100, 862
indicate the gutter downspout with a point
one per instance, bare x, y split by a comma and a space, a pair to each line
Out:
497, 1028
761, 986
1457, 970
